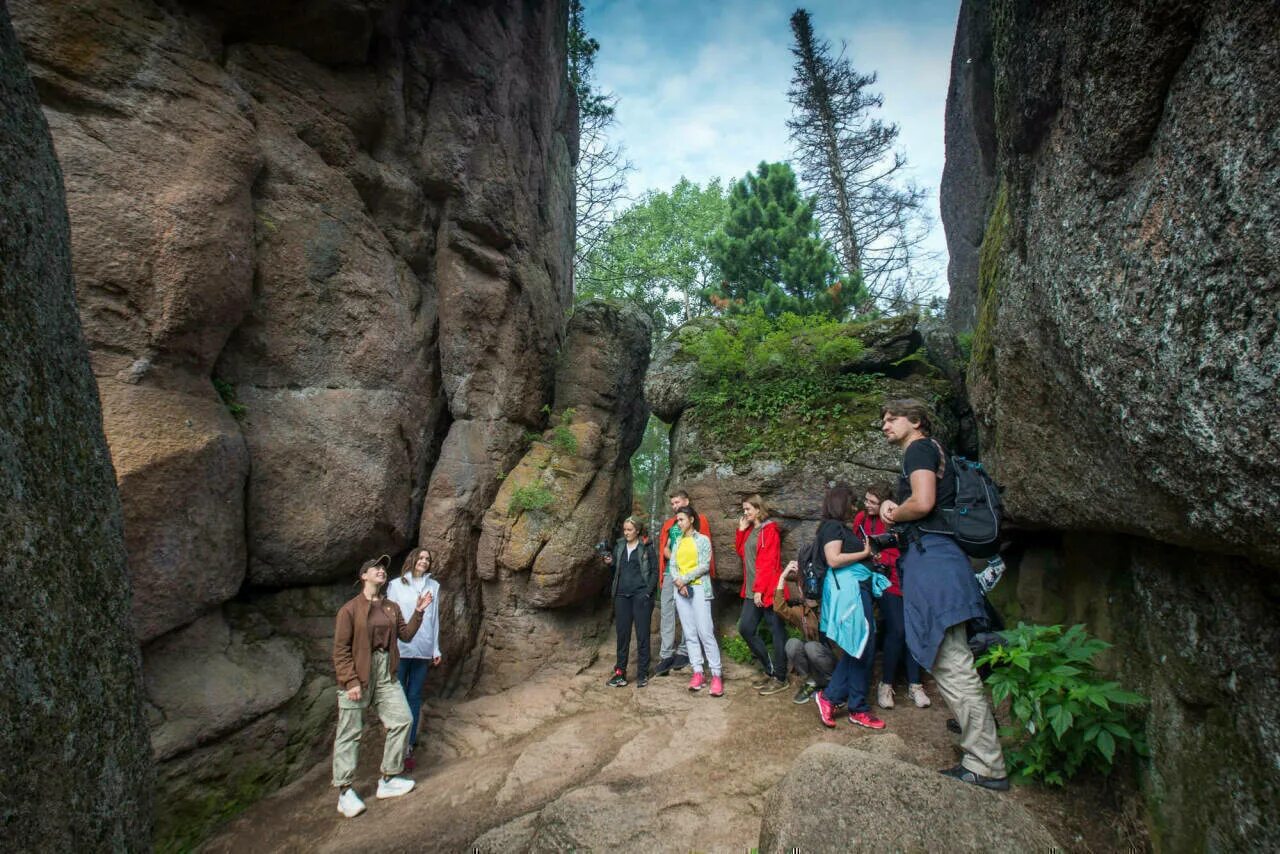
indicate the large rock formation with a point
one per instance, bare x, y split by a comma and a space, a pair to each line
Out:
322, 256
75, 764
1119, 161
719, 469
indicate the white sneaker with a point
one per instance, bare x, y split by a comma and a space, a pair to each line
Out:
395, 787
349, 804
919, 696
884, 697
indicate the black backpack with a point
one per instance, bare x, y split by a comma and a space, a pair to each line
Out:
974, 522
813, 570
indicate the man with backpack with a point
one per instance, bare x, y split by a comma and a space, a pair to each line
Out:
673, 657
940, 592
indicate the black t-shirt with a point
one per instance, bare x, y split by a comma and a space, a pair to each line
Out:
923, 454
832, 530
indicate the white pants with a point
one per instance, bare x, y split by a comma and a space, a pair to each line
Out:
699, 631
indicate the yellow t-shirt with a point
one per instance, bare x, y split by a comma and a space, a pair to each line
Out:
687, 556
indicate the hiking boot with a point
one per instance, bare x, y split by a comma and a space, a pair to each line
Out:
866, 719
680, 662
964, 775
918, 695
664, 666
717, 686
826, 709
806, 691
884, 697
774, 686
761, 681
619, 679
696, 683
394, 787
642, 680
349, 804
409, 762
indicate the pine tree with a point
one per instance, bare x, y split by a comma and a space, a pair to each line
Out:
847, 158
769, 250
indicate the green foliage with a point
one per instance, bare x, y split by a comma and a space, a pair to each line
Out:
770, 253
1067, 716
562, 438
227, 393
582, 50
650, 467
964, 341
530, 496
656, 254
777, 386
735, 646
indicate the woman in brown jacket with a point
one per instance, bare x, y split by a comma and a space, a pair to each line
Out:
365, 656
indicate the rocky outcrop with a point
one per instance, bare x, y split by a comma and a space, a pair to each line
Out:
719, 469
926, 812
1125, 352
569, 492
322, 260
72, 735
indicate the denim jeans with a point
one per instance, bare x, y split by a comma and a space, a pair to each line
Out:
851, 679
895, 641
412, 674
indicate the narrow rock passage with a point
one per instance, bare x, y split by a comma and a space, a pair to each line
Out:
564, 762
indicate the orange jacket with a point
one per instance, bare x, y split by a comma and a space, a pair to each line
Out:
703, 527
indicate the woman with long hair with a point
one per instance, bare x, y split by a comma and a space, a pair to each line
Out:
635, 578
847, 594
364, 657
692, 563
422, 653
868, 524
760, 547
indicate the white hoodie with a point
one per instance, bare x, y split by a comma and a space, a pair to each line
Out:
426, 643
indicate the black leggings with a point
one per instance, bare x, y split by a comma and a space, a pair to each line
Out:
747, 625
635, 611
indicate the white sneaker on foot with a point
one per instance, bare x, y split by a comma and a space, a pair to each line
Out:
884, 697
919, 696
349, 804
394, 787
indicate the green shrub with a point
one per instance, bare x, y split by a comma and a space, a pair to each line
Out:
562, 438
735, 646
530, 496
1066, 715
227, 393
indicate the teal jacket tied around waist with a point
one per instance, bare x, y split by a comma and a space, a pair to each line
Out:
842, 619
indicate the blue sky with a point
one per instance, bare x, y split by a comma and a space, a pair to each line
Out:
702, 85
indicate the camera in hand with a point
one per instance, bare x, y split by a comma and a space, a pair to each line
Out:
887, 540
602, 549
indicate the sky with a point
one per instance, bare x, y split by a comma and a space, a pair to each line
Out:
702, 84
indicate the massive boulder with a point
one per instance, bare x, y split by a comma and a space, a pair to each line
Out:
1125, 357
721, 466
921, 811
75, 764
570, 491
322, 257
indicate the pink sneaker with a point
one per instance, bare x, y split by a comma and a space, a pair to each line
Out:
696, 683
866, 719
717, 686
826, 709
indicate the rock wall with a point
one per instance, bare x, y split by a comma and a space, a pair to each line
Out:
73, 740
1125, 351
322, 261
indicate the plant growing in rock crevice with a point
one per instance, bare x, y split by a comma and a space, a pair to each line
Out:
1067, 716
530, 496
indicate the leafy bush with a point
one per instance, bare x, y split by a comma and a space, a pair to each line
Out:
1067, 716
735, 646
530, 496
562, 438
753, 347
227, 393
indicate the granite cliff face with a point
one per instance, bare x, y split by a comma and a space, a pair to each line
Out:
73, 740
321, 254
1111, 168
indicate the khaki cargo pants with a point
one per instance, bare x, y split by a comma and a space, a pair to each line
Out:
966, 696
387, 697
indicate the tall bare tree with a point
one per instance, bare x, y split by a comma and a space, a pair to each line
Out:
600, 177
874, 219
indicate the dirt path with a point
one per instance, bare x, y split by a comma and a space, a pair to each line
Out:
652, 769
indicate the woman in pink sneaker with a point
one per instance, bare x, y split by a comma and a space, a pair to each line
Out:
692, 560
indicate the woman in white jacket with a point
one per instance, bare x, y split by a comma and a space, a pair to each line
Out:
420, 654
692, 565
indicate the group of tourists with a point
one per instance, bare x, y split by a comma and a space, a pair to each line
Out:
921, 578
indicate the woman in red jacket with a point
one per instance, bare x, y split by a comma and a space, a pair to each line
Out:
760, 547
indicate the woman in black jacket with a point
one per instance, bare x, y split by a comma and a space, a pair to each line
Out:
635, 578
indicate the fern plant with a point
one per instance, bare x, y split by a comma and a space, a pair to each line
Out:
1067, 715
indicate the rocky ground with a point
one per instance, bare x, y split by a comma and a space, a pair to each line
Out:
564, 763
